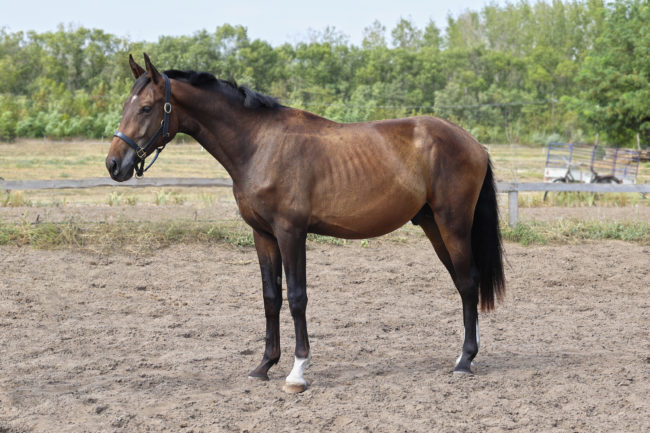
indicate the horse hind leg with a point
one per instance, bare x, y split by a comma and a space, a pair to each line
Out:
451, 240
425, 219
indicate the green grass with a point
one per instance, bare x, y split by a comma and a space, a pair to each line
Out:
326, 239
581, 199
119, 235
133, 236
524, 234
573, 230
148, 236
14, 199
45, 235
117, 199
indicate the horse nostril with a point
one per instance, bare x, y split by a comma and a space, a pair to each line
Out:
112, 166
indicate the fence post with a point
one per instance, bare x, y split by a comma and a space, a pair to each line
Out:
513, 207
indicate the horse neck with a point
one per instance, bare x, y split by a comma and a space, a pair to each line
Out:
222, 127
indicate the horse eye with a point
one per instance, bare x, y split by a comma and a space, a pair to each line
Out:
145, 109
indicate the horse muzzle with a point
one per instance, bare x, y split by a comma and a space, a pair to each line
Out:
118, 169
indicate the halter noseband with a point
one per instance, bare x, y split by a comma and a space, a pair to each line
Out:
141, 152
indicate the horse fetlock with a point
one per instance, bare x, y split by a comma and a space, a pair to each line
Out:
261, 371
464, 365
258, 375
462, 372
460, 357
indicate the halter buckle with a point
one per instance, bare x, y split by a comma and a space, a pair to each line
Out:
141, 153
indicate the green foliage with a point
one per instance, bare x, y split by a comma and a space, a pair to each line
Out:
616, 73
43, 235
320, 239
233, 235
151, 235
120, 235
524, 234
13, 199
513, 73
569, 231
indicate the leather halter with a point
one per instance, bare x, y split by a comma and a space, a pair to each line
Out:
141, 152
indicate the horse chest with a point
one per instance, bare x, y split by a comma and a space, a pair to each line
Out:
254, 212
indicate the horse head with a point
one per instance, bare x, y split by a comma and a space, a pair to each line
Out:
147, 125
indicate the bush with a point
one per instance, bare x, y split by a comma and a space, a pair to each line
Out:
7, 126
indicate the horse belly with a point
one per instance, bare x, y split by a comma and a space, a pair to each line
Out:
369, 186
365, 216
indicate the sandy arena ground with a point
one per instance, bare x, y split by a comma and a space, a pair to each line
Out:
164, 342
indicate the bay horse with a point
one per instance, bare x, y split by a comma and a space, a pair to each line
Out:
294, 173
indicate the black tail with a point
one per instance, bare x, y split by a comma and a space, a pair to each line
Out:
486, 244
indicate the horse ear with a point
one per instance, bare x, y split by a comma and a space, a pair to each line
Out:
135, 68
151, 70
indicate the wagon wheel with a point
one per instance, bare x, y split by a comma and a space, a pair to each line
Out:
606, 179
558, 180
596, 178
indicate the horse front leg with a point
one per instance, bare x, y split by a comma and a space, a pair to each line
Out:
292, 247
270, 260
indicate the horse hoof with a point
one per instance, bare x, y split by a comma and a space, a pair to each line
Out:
258, 376
294, 388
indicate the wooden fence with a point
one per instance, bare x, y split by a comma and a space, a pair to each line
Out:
513, 189
510, 188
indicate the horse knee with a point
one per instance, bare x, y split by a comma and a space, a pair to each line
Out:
297, 302
272, 304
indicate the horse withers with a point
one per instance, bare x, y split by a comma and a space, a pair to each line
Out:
295, 173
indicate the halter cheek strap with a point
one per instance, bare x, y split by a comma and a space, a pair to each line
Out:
140, 151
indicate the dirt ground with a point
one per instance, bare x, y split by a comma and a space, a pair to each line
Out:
164, 342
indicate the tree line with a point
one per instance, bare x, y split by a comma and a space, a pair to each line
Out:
525, 72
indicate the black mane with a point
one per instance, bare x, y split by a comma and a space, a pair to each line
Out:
204, 80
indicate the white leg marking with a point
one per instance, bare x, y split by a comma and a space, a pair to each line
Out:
299, 367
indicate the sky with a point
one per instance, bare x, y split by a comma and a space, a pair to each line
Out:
276, 22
